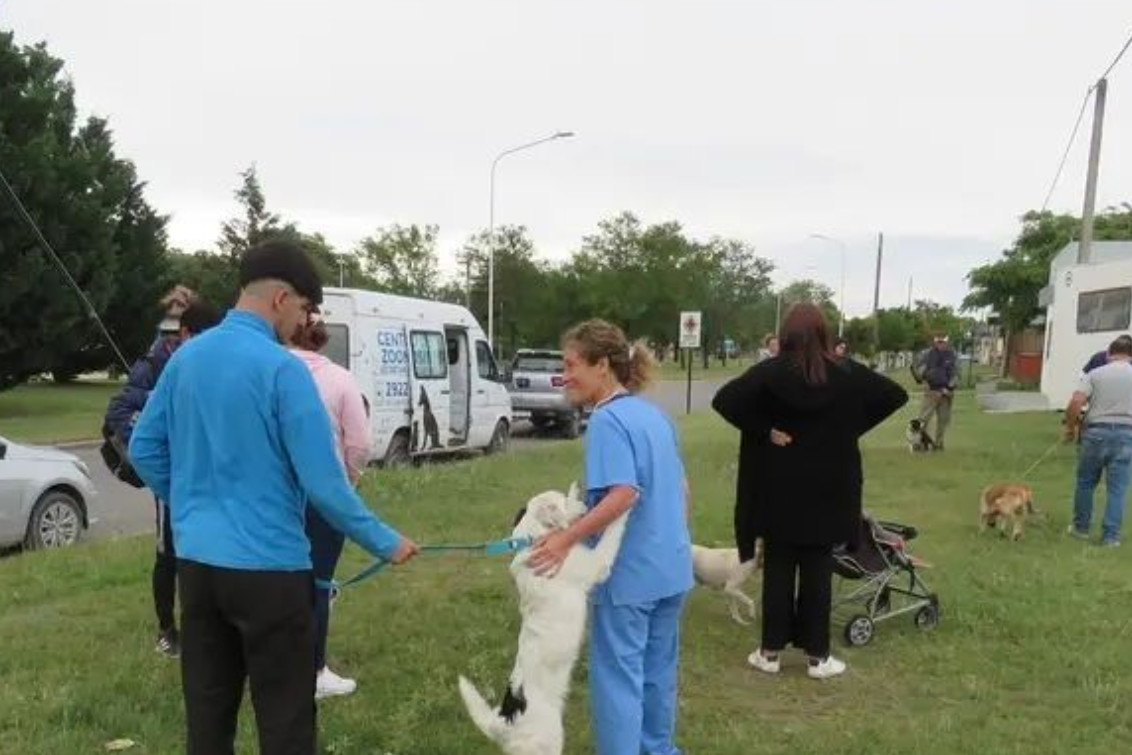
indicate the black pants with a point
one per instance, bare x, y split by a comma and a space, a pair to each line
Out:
164, 570
326, 549
255, 625
797, 589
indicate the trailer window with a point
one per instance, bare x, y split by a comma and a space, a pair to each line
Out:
430, 355
337, 349
1102, 311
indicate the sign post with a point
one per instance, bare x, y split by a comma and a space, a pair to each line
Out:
690, 330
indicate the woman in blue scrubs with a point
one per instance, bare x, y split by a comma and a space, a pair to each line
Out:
633, 465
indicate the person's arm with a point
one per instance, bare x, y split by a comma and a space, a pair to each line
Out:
739, 403
149, 441
355, 428
610, 468
309, 442
882, 397
1076, 406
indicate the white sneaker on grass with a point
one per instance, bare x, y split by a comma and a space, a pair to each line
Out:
329, 684
826, 668
764, 663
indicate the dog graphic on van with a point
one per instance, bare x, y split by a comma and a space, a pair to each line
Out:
428, 421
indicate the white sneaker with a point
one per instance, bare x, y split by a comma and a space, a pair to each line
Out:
329, 684
824, 669
767, 665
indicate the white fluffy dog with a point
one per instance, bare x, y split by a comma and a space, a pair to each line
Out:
529, 719
720, 568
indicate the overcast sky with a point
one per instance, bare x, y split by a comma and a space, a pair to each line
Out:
938, 122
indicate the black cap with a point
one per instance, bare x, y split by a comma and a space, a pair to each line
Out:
284, 261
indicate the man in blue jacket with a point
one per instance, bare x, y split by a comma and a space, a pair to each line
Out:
121, 414
238, 441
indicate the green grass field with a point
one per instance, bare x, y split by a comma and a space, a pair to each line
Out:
50, 413
1031, 655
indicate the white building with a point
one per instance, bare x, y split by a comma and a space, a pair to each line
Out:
1087, 306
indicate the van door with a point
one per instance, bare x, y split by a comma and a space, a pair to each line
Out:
490, 400
429, 391
459, 380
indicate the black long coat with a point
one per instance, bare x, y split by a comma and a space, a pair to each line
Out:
809, 492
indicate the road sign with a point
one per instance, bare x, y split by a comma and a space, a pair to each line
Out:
690, 329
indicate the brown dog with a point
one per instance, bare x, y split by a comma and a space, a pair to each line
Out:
1006, 503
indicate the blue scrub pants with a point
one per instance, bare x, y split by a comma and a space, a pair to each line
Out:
634, 654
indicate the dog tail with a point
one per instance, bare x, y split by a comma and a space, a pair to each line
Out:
483, 716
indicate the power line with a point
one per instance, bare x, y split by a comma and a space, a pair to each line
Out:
1118, 57
66, 273
1068, 147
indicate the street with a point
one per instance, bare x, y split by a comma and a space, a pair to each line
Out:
123, 511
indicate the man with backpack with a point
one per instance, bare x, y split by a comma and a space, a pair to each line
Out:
938, 369
121, 414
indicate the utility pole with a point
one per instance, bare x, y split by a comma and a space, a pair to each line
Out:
909, 293
1085, 245
876, 291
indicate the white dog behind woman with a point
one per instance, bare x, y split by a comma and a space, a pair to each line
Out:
632, 464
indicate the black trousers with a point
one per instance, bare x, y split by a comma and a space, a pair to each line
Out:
253, 625
164, 570
797, 589
326, 549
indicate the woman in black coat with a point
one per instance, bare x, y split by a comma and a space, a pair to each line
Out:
799, 488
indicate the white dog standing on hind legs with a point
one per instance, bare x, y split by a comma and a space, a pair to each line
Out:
528, 721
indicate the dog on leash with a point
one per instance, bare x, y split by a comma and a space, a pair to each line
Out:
1006, 505
528, 721
721, 569
916, 434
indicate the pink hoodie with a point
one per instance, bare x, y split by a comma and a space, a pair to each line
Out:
343, 401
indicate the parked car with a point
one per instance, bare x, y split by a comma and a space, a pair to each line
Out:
537, 391
45, 496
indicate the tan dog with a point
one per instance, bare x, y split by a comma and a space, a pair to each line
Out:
721, 569
1006, 503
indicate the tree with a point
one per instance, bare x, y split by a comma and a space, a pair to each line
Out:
255, 226
812, 291
402, 259
90, 206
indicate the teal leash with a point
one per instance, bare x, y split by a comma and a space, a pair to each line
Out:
491, 548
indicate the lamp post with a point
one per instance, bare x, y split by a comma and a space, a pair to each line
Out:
491, 227
841, 295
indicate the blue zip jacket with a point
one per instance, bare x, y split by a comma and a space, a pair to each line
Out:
236, 438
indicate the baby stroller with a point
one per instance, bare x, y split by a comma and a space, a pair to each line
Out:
879, 563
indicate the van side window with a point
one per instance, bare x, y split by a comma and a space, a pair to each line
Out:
485, 363
430, 355
337, 349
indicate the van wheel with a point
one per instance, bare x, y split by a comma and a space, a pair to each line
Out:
398, 453
500, 439
56, 521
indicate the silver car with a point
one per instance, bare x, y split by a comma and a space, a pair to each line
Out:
538, 391
45, 496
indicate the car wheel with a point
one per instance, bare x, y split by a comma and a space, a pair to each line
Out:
571, 425
398, 453
500, 439
56, 521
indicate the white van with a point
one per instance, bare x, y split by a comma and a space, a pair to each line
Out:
426, 369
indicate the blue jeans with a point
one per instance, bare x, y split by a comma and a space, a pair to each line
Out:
634, 654
326, 549
1104, 448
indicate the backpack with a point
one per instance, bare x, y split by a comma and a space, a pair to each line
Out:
919, 366
113, 451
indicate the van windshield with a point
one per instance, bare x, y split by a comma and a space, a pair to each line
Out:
547, 364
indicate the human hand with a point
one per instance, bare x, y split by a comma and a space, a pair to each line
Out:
406, 549
779, 438
550, 552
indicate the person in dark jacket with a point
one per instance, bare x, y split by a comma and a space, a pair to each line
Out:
941, 376
799, 483
121, 414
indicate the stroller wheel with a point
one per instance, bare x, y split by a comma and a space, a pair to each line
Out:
859, 630
927, 617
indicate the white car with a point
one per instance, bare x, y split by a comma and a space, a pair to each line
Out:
45, 496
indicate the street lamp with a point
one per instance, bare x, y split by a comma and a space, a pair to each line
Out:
841, 306
491, 227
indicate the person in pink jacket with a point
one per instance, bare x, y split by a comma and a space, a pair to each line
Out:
349, 420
